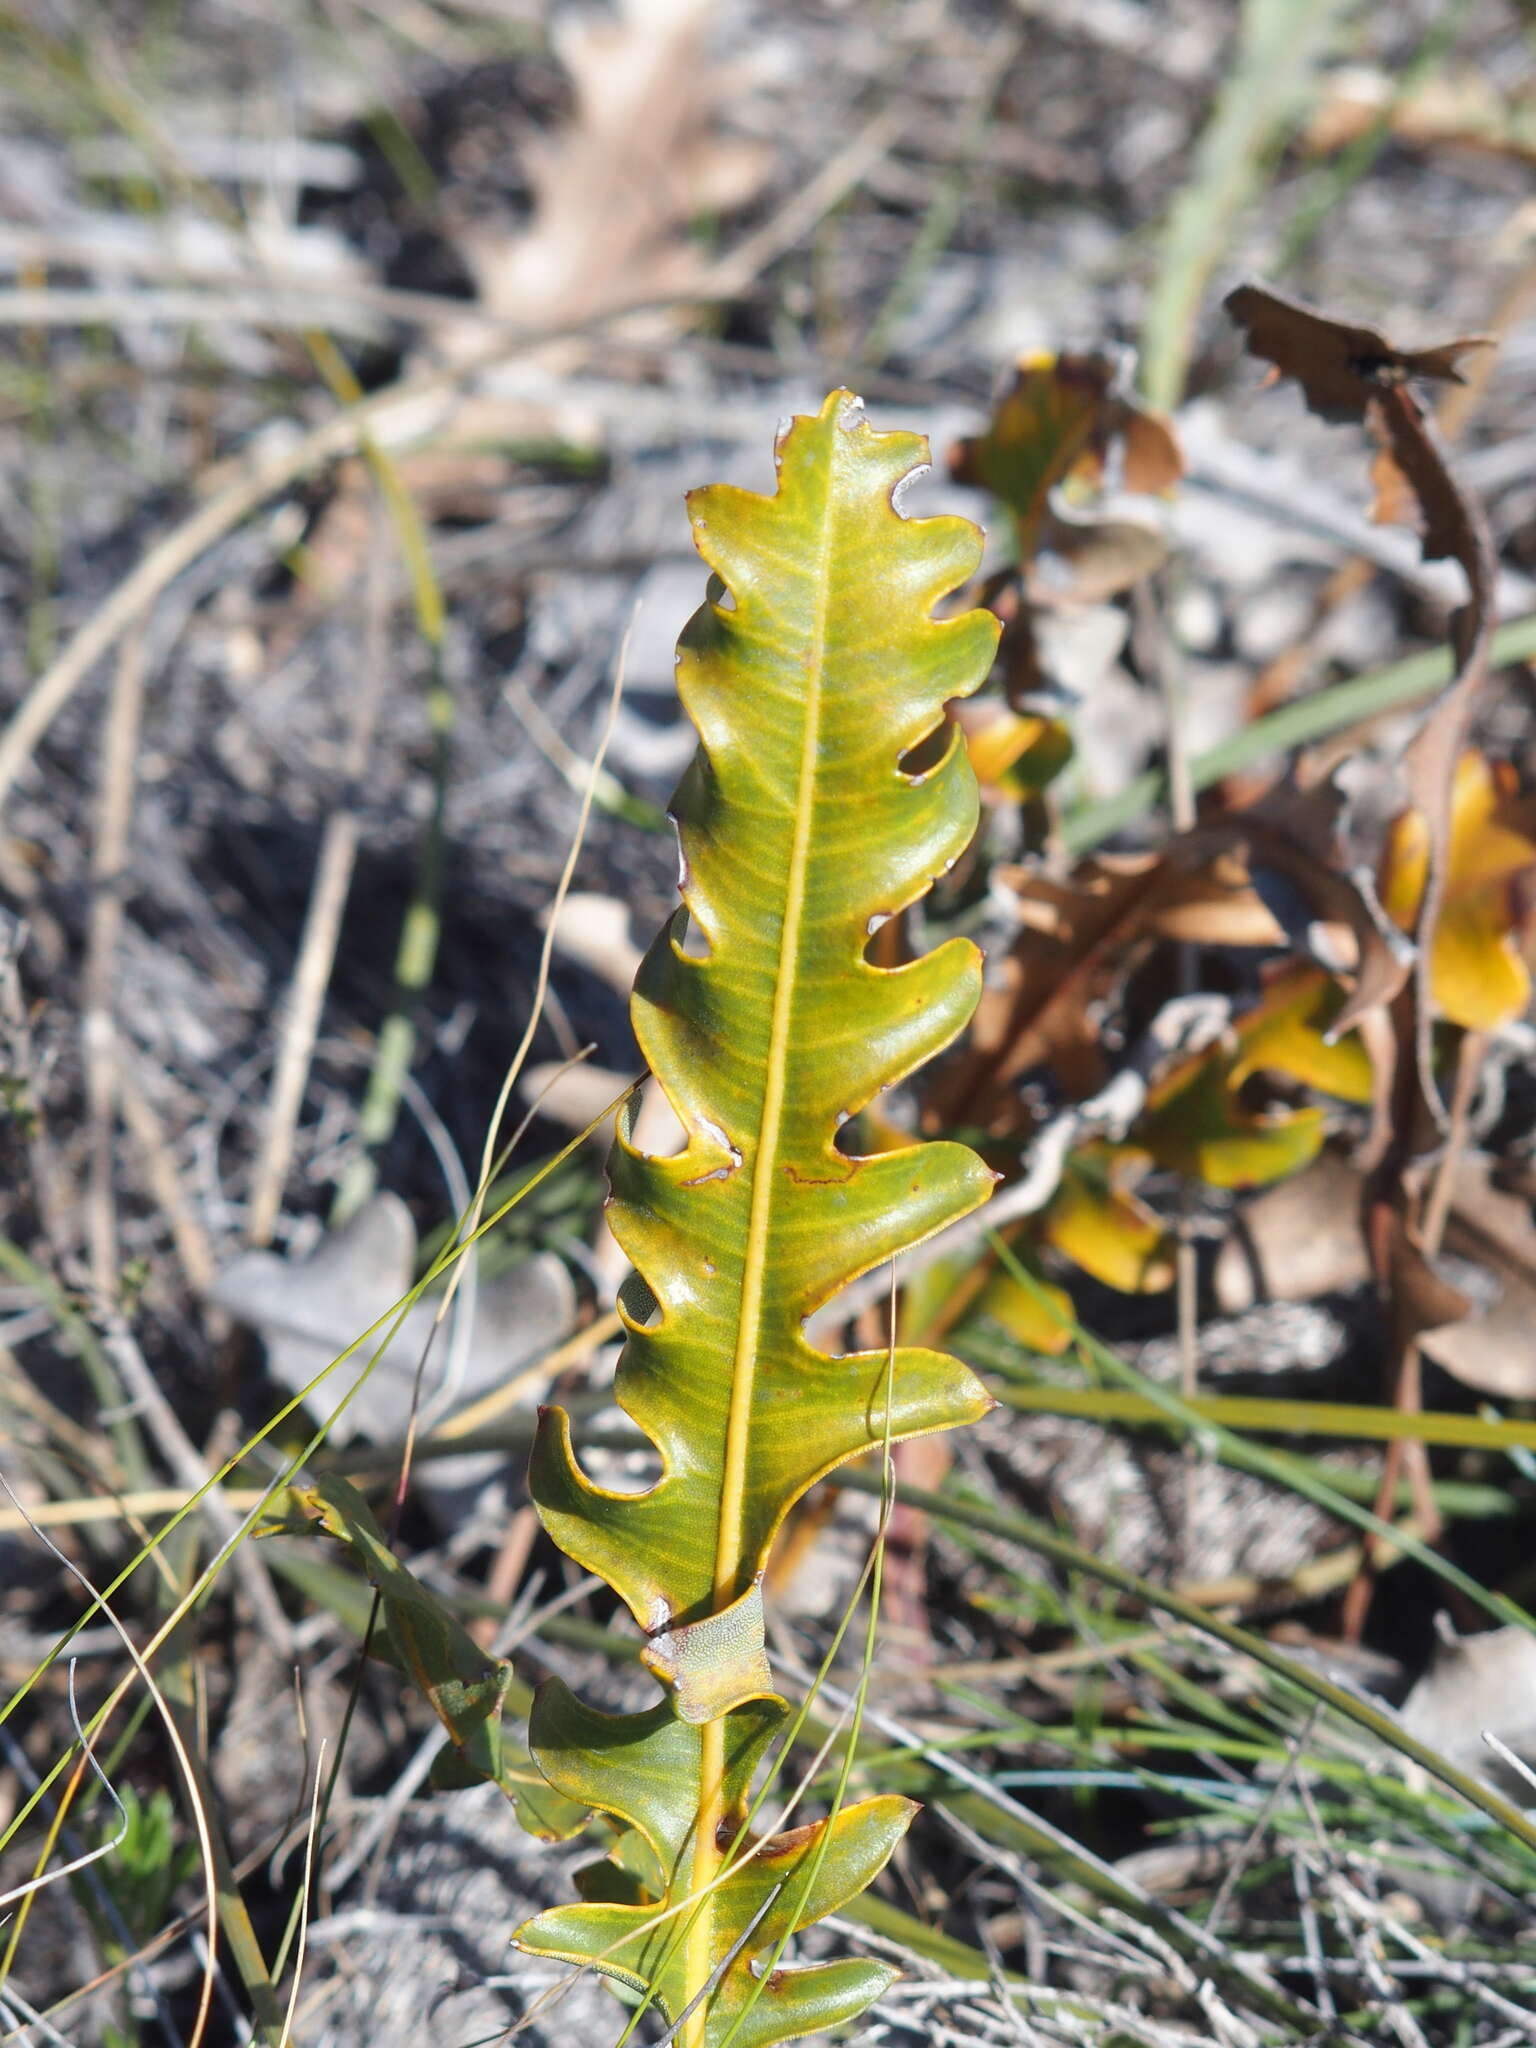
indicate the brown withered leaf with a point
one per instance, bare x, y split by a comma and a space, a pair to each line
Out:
1339, 366
1077, 941
1353, 372
1422, 494
1289, 841
1080, 937
1447, 109
616, 189
1151, 460
1056, 424
1058, 419
1087, 557
1349, 372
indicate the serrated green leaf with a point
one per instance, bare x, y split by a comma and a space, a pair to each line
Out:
465, 1686
800, 833
813, 671
630, 1765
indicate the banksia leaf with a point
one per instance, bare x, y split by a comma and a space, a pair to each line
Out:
632, 1765
465, 1685
800, 834
813, 676
1057, 421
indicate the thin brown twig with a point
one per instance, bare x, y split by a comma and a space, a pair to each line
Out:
1408, 1457
98, 1025
187, 1232
329, 892
184, 1459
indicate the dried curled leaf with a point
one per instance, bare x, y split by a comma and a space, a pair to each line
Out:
614, 190
1052, 432
1350, 372
1340, 367
1077, 940
1444, 108
1354, 372
1289, 841
1057, 420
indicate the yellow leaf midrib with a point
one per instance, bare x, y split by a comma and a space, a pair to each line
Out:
729, 1543
699, 1939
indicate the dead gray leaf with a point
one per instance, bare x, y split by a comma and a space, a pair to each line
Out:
307, 1311
614, 191
593, 931
1300, 1238
1476, 1683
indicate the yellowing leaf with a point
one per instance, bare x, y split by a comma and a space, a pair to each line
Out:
1477, 975
812, 679
1196, 1121
1205, 1132
1041, 1322
826, 669
1100, 1225
1286, 1032
1014, 753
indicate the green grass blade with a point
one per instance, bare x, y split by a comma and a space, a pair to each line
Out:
1280, 44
